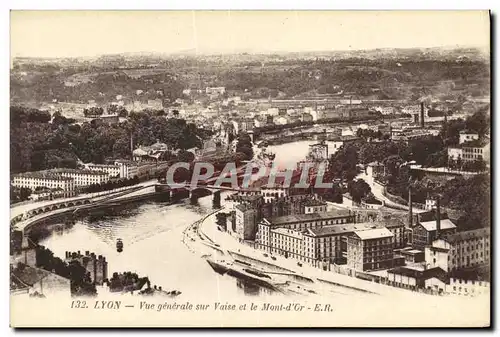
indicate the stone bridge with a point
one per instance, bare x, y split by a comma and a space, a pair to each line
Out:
48, 208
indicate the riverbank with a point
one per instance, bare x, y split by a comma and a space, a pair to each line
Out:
226, 242
108, 202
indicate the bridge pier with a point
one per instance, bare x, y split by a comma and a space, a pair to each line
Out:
216, 200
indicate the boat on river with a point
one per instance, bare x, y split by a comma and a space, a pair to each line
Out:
245, 272
119, 245
219, 266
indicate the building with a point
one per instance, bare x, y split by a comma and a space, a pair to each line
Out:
245, 125
329, 243
467, 287
460, 250
454, 153
467, 136
150, 153
44, 179
109, 119
301, 222
155, 104
411, 109
425, 232
476, 150
47, 194
275, 191
397, 228
412, 256
386, 110
318, 152
96, 266
215, 90
36, 280
314, 245
291, 243
128, 169
83, 177
287, 205
25, 255
315, 206
433, 279
112, 170
307, 117
247, 218
370, 249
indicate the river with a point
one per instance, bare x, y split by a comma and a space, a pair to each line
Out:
153, 247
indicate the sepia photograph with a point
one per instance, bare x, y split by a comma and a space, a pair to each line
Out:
243, 168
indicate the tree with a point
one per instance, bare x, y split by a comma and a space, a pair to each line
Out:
185, 156
245, 145
358, 189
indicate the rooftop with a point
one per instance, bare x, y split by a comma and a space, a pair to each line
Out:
101, 165
374, 233
314, 202
244, 207
431, 225
298, 218
77, 171
393, 222
417, 273
42, 175
411, 252
468, 235
288, 232
29, 275
475, 143
339, 229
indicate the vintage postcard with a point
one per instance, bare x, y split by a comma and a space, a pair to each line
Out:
250, 169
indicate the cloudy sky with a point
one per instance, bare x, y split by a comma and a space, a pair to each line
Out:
89, 33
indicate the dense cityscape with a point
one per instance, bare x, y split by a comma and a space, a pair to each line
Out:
404, 134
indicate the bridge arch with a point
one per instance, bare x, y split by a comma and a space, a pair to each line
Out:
86, 201
70, 204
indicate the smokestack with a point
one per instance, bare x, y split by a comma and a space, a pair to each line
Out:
410, 208
438, 218
422, 122
131, 144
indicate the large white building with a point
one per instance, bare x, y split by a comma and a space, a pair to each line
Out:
62, 178
470, 151
460, 250
300, 222
83, 177
43, 179
467, 136
112, 170
370, 249
128, 169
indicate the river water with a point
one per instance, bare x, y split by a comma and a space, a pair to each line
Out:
153, 247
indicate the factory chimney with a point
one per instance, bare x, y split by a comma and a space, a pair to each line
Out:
422, 121
131, 144
438, 217
410, 208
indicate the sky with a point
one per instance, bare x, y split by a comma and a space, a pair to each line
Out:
91, 33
